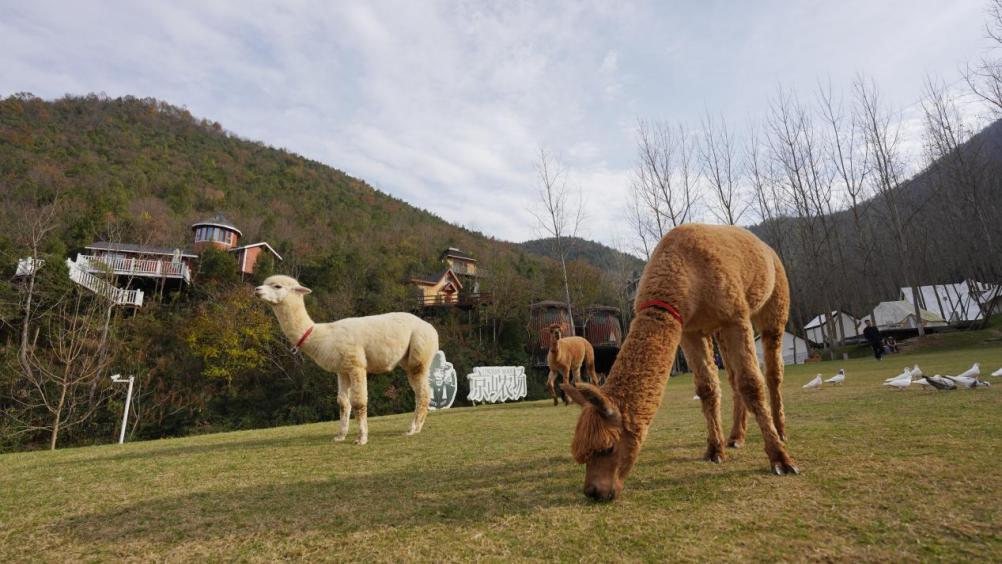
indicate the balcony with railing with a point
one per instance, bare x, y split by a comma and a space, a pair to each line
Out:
126, 266
454, 300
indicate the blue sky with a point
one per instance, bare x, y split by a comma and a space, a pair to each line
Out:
445, 104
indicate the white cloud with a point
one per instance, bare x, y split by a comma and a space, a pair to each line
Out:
444, 104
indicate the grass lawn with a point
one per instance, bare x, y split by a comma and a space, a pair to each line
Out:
887, 475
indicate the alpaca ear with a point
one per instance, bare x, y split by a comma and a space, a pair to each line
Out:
584, 394
302, 290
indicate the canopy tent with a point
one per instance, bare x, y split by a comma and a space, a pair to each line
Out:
962, 302
794, 349
901, 315
817, 329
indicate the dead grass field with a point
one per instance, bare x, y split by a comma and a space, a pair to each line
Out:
887, 476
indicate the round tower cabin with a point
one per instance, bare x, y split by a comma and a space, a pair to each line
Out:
215, 232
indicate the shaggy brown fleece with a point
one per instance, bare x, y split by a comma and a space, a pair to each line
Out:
566, 356
721, 280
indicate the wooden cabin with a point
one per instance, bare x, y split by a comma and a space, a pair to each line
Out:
541, 316
117, 269
603, 327
217, 232
456, 285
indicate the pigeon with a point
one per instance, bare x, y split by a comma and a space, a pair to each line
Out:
972, 372
922, 382
901, 376
696, 397
838, 378
941, 383
917, 372
964, 381
901, 382
813, 384
997, 372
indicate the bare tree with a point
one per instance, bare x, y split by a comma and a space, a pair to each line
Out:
985, 78
66, 360
559, 216
720, 167
886, 174
664, 190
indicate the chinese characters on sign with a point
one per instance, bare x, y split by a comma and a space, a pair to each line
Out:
492, 384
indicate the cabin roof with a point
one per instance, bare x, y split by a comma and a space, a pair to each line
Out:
261, 244
610, 309
547, 303
218, 220
456, 253
432, 279
138, 249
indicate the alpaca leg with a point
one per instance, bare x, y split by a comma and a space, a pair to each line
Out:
418, 378
740, 415
699, 354
740, 343
565, 373
577, 374
550, 385
772, 342
359, 397
344, 406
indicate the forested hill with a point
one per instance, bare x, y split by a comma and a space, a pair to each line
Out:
596, 254
143, 170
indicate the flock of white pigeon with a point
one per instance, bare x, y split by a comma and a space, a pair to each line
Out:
971, 378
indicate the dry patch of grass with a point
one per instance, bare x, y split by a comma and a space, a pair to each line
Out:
887, 476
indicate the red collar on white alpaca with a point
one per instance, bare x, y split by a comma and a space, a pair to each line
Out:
299, 343
661, 305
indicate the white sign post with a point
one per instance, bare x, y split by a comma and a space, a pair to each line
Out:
492, 384
117, 378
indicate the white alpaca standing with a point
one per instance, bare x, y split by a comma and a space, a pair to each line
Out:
355, 347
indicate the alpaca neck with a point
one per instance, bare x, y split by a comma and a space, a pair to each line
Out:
637, 379
554, 344
293, 320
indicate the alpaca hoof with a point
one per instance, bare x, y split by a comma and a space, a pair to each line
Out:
339, 438
781, 468
734, 443
361, 440
715, 458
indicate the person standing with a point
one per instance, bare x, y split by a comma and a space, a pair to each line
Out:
872, 336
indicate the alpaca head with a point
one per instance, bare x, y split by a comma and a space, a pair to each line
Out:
555, 332
599, 442
279, 289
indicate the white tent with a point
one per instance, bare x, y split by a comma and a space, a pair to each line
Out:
962, 302
818, 328
794, 349
901, 315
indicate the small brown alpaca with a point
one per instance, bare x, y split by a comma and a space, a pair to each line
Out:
566, 356
701, 280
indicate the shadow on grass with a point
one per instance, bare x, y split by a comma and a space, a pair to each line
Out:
338, 505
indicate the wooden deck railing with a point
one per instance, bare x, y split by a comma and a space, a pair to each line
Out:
462, 300
102, 288
135, 267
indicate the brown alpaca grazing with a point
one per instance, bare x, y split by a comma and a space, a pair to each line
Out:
701, 280
566, 356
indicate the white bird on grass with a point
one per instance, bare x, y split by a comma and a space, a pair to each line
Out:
997, 372
813, 384
696, 397
972, 372
941, 383
917, 372
968, 382
838, 378
902, 381
922, 382
907, 372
